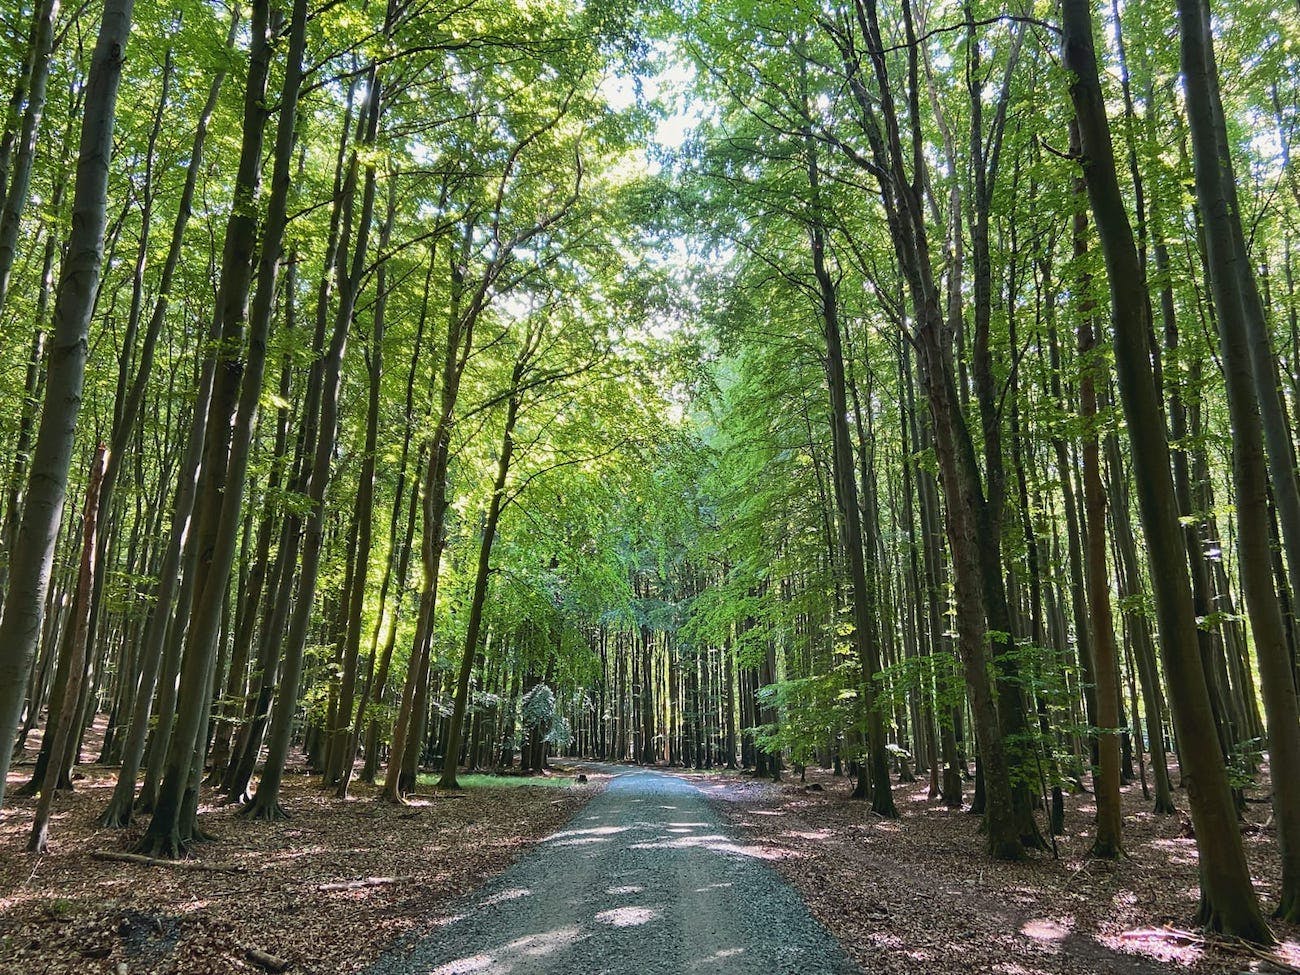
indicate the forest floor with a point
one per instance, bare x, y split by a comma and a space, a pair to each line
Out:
916, 895
333, 887
325, 891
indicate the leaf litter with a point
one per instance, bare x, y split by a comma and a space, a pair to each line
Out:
323, 892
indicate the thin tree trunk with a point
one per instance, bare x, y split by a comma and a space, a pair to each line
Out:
65, 730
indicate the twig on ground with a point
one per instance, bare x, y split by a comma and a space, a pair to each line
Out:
145, 861
267, 961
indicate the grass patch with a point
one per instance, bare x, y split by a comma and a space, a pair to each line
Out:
481, 780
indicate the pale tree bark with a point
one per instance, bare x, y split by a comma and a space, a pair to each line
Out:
33, 552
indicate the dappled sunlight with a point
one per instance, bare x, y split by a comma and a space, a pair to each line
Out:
1047, 930
717, 843
621, 875
463, 966
1162, 944
536, 945
810, 834
513, 893
590, 831
1015, 968
1178, 850
627, 917
712, 960
507, 957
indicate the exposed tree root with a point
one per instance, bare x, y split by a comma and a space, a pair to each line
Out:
167, 847
268, 812
115, 816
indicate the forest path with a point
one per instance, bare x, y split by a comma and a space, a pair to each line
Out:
645, 879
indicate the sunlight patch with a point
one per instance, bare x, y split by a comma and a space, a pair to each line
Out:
538, 945
1162, 944
463, 966
1045, 929
514, 893
717, 956
589, 831
627, 917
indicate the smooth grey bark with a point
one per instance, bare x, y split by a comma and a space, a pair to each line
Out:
38, 531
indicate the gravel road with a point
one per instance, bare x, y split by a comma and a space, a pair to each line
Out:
645, 880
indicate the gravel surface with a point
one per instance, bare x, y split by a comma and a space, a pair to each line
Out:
646, 880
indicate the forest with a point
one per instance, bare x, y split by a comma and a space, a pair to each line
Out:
877, 415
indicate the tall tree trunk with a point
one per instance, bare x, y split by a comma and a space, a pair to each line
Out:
475, 620
346, 745
172, 827
1247, 393
33, 552
1228, 900
1108, 843
266, 802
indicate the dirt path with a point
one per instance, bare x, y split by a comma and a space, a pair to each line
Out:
644, 880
